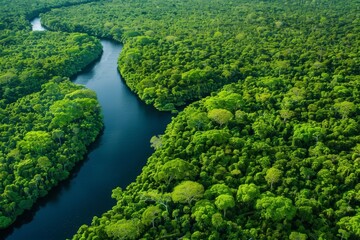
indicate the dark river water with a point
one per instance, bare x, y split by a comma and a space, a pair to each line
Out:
114, 160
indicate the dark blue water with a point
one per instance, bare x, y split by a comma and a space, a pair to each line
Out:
114, 160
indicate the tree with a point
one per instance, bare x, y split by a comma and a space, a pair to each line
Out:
345, 108
217, 220
156, 142
124, 229
220, 116
44, 162
276, 208
58, 134
273, 175
217, 189
176, 169
4, 222
297, 236
160, 198
198, 120
224, 201
306, 134
281, 65
286, 114
117, 193
187, 191
202, 212
36, 141
64, 112
351, 225
150, 214
247, 193
264, 127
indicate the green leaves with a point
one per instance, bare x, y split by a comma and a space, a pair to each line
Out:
224, 201
36, 142
247, 193
350, 226
124, 229
33, 58
150, 214
176, 169
276, 208
156, 142
38, 156
220, 116
345, 108
273, 175
287, 124
187, 192
4, 221
306, 134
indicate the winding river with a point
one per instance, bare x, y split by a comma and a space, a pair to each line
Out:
115, 159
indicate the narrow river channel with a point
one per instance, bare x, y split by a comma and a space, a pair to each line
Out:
114, 160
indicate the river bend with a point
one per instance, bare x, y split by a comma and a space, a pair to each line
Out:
115, 159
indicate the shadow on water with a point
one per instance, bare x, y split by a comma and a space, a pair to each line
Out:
115, 159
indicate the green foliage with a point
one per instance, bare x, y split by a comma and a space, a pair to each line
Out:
273, 175
187, 191
35, 142
276, 208
290, 120
220, 116
217, 220
150, 214
202, 213
15, 13
350, 226
124, 229
156, 142
5, 221
178, 51
31, 59
34, 153
311, 160
247, 193
297, 236
345, 108
176, 169
224, 201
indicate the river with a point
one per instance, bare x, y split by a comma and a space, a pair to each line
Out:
115, 159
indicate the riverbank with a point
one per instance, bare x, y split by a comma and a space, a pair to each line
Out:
114, 160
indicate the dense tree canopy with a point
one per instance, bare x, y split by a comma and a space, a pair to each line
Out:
279, 147
275, 187
36, 154
274, 154
16, 13
30, 59
177, 51
46, 121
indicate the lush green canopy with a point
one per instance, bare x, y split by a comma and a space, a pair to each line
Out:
277, 151
181, 50
46, 121
274, 154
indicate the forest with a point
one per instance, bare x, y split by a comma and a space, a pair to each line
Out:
179, 51
268, 144
46, 121
273, 153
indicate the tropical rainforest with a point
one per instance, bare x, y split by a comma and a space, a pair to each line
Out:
268, 146
46, 121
